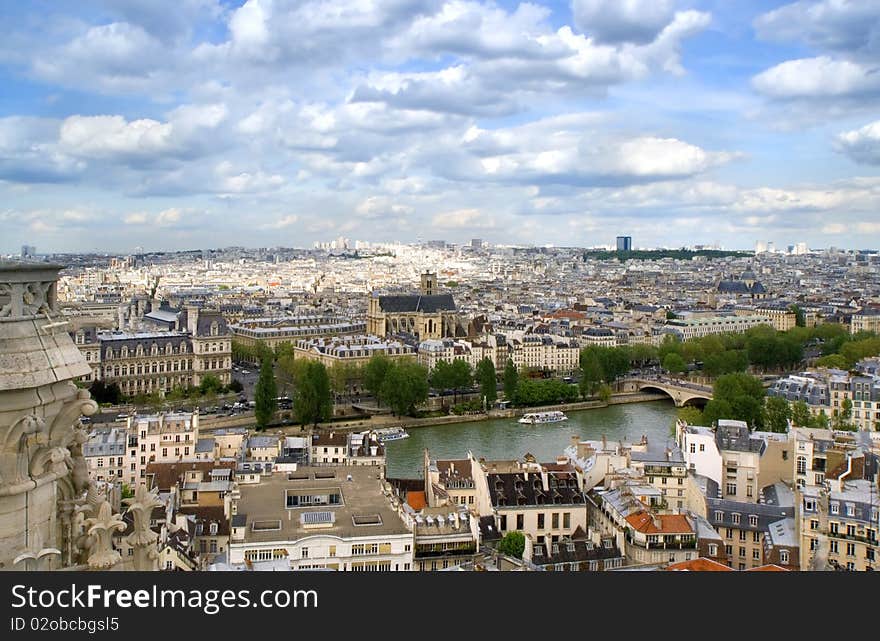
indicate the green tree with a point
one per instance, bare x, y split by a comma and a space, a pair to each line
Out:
674, 363
842, 418
462, 377
604, 393
591, 373
800, 414
821, 421
800, 317
405, 386
833, 361
312, 400
265, 394
511, 379
485, 375
127, 492
690, 415
236, 386
513, 544
737, 396
210, 384
778, 412
375, 372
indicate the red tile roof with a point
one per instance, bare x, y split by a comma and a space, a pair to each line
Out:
698, 565
770, 567
416, 500
669, 523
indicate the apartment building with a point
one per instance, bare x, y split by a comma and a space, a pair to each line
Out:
197, 344
354, 349
337, 518
689, 328
840, 518
272, 331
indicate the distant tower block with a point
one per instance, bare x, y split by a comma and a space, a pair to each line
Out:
429, 284
42, 470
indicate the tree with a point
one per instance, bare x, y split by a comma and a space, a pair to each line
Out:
778, 412
833, 361
462, 377
604, 393
236, 386
591, 373
485, 375
800, 414
265, 394
511, 379
312, 400
513, 544
842, 418
374, 375
800, 317
737, 396
405, 385
674, 363
690, 415
210, 385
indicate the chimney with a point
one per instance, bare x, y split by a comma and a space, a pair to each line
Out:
192, 319
657, 522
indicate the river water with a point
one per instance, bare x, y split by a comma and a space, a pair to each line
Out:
506, 439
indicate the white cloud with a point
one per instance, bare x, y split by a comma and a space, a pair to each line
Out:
622, 20
103, 136
849, 26
137, 218
463, 219
816, 78
283, 222
168, 217
862, 145
382, 207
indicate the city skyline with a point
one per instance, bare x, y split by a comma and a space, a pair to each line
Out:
209, 124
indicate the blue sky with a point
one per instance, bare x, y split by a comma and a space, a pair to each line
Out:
173, 124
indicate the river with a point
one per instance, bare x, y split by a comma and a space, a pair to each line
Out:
506, 439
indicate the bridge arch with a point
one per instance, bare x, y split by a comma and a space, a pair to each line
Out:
681, 396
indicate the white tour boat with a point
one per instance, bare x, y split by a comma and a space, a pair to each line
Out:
391, 434
543, 417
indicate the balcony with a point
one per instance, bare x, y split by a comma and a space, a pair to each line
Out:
853, 537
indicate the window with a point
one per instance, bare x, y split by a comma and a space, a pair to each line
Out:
756, 554
731, 488
850, 509
753, 520
554, 520
810, 505
519, 521
814, 525
702, 447
566, 520
850, 549
834, 547
305, 553
756, 537
749, 489
783, 557
713, 549
742, 535
742, 552
693, 448
728, 550
801, 464
719, 515
835, 508
541, 521
735, 518
332, 550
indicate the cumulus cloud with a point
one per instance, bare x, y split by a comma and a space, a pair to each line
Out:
862, 145
569, 150
382, 207
622, 20
820, 77
848, 26
463, 219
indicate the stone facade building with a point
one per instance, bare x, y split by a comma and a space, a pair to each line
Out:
425, 315
193, 345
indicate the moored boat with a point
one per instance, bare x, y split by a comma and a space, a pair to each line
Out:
543, 417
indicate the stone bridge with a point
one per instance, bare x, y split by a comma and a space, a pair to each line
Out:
682, 392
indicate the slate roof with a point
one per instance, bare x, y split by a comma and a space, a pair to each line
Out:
417, 303
526, 489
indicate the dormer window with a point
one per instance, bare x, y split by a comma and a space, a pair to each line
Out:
213, 528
